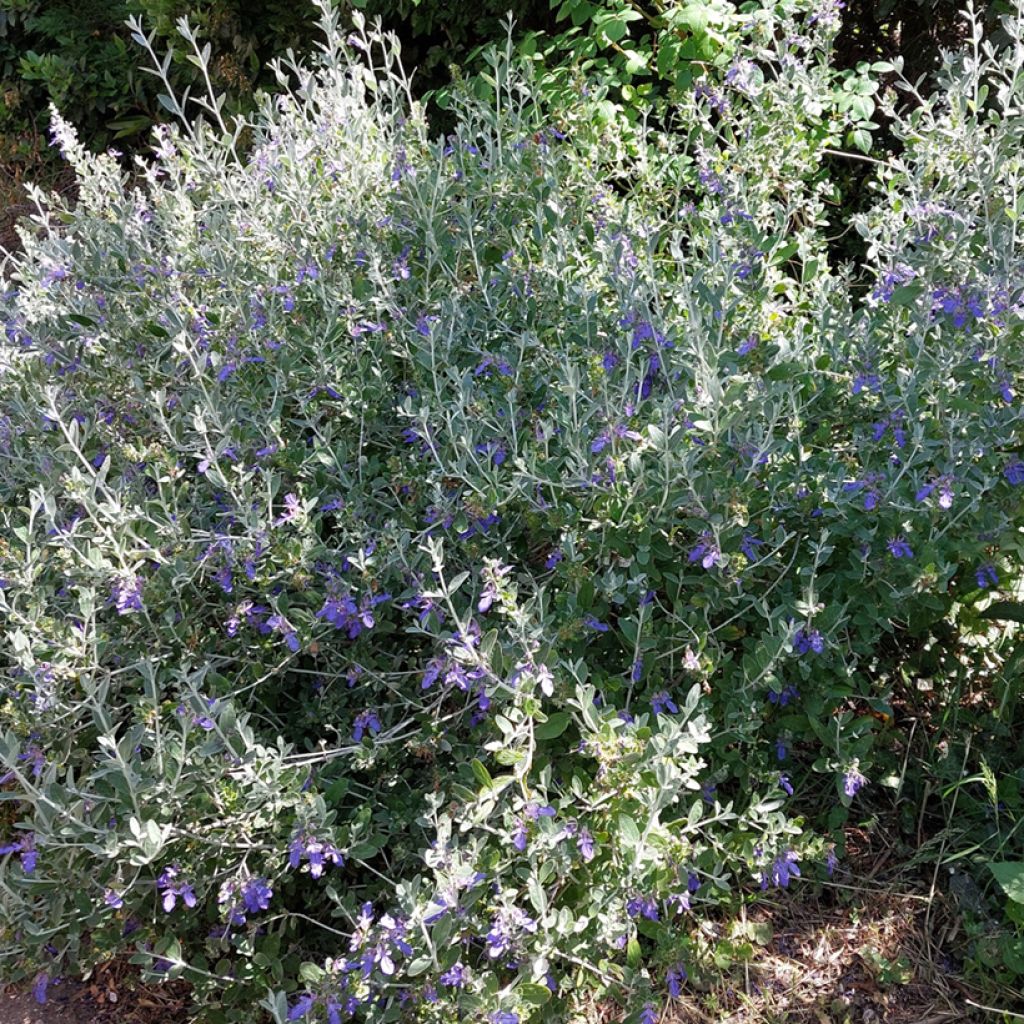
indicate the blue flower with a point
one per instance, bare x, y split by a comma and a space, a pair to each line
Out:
781, 870
986, 576
644, 906
899, 548
1014, 472
127, 595
454, 977
292, 510
286, 629
807, 640
171, 887
302, 1006
648, 1015
519, 835
316, 852
585, 845
785, 784
596, 624
674, 978
25, 847
681, 901
749, 545
662, 702
853, 780
534, 811
39, 987
784, 696
706, 551
366, 721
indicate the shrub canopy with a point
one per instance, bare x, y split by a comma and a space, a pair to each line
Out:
436, 569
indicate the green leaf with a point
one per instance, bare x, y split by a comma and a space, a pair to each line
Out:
1004, 611
554, 726
311, 973
483, 776
534, 994
861, 140
628, 829
1010, 875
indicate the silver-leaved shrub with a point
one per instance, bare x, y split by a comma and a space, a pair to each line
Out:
435, 572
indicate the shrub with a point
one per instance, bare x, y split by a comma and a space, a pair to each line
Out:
435, 571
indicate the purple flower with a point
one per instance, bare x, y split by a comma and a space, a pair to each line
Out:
1014, 472
986, 576
170, 884
781, 870
302, 1006
785, 784
889, 280
749, 545
645, 906
706, 551
39, 987
506, 927
534, 811
366, 721
286, 629
127, 595
454, 977
899, 548
113, 898
807, 640
318, 853
256, 894
308, 272
831, 860
585, 845
224, 579
648, 1015
248, 897
681, 901
780, 750
292, 510
593, 623
519, 835
784, 696
674, 978
662, 702
343, 613
869, 381
852, 781
945, 486
504, 1017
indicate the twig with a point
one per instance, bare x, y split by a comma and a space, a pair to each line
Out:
993, 1009
854, 156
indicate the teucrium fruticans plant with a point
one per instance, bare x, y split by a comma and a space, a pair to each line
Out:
430, 577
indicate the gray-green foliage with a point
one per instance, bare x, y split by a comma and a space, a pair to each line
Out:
428, 564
